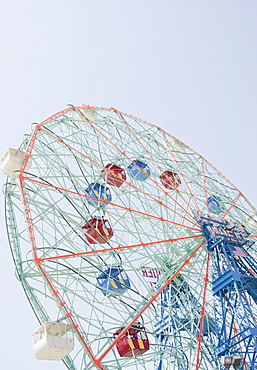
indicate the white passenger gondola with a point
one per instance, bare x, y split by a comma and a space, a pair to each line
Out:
51, 341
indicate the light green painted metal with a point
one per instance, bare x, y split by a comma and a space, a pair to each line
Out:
14, 242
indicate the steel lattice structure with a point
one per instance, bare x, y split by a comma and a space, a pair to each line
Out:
108, 234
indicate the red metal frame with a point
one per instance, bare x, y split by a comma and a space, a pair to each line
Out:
199, 339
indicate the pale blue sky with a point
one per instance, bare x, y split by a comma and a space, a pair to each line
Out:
187, 66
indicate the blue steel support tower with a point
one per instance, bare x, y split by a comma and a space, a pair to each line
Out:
234, 285
176, 307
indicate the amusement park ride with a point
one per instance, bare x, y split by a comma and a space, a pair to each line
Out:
133, 251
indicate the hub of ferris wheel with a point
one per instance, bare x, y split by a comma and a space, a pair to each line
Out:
234, 286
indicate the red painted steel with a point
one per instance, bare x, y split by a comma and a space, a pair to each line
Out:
115, 205
120, 248
199, 339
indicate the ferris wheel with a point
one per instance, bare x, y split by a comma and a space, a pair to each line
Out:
133, 250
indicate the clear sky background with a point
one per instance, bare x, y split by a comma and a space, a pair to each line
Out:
188, 66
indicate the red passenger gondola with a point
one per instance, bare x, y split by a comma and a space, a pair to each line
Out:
133, 343
97, 230
170, 180
115, 176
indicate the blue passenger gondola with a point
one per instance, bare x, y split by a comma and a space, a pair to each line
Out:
98, 191
139, 170
113, 281
216, 205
